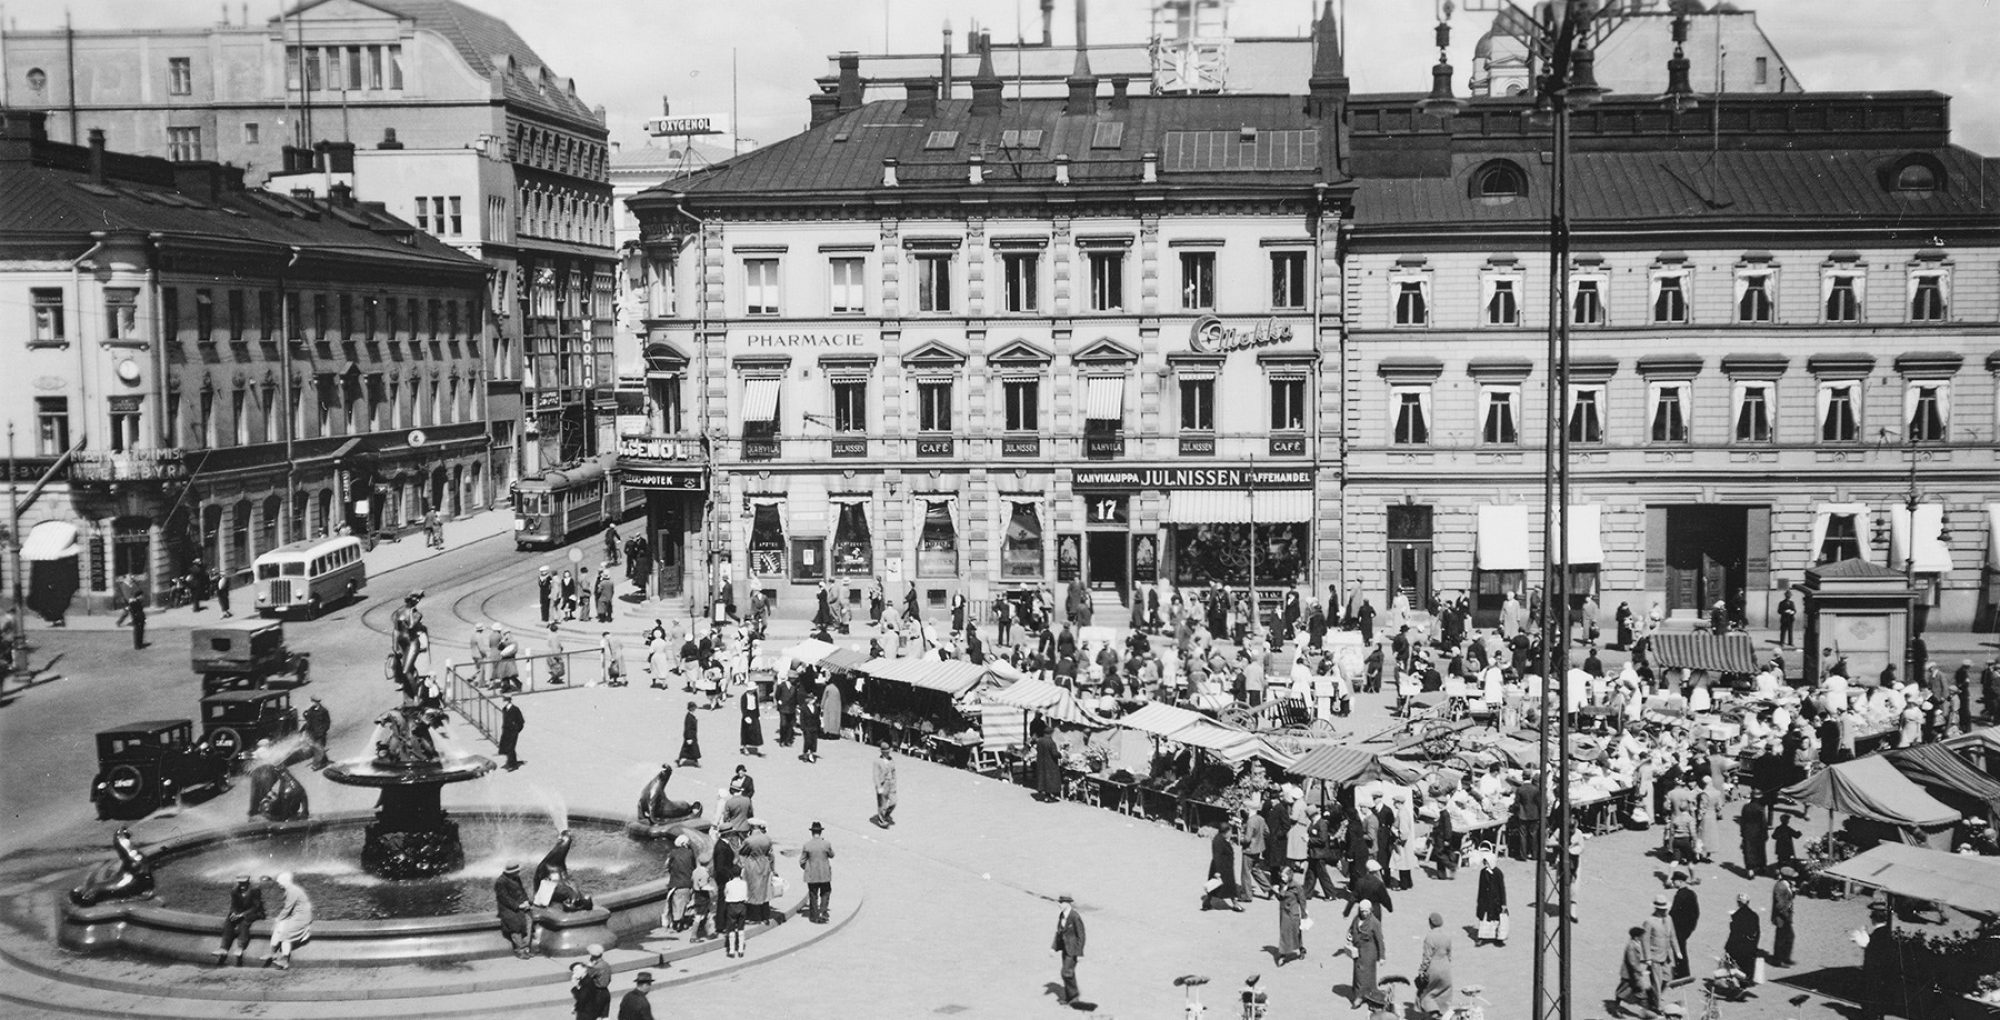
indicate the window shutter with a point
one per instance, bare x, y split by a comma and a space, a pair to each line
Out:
1656, 548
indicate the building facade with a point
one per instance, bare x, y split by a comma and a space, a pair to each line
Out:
427, 77
1784, 319
213, 371
982, 346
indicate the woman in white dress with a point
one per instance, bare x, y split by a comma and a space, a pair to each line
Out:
292, 924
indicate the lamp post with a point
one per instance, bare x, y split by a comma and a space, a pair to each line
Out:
17, 637
1560, 36
1913, 648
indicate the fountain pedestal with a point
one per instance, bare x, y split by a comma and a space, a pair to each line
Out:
411, 836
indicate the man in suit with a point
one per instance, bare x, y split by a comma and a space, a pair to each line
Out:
544, 588
816, 859
511, 723
482, 654
1782, 895
885, 790
635, 1006
1686, 914
1068, 942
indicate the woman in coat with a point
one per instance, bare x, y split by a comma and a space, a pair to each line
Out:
1221, 889
1291, 916
1364, 933
1048, 767
752, 731
690, 739
755, 860
292, 924
1434, 985
1491, 904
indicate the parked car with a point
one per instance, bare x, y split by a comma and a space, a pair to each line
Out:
234, 721
246, 655
142, 765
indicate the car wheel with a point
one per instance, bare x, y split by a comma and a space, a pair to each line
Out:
228, 743
128, 793
313, 607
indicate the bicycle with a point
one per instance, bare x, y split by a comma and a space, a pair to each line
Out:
175, 595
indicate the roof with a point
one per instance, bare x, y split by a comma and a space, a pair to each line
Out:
949, 676
1159, 720
1033, 694
1870, 787
845, 153
1338, 765
230, 697
1965, 881
1714, 653
1939, 770
148, 726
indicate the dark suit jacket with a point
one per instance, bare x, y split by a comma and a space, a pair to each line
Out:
634, 1006
1069, 935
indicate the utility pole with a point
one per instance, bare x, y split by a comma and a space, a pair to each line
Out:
17, 633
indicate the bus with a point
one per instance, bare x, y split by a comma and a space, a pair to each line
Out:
308, 576
570, 502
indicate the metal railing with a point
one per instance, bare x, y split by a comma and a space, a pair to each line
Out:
474, 692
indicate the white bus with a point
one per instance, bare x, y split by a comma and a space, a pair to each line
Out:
310, 575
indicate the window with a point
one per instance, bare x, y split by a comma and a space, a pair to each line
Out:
251, 133
121, 313
183, 144
1753, 297
1927, 408
1411, 408
1288, 404
1916, 177
1499, 420
1503, 301
1927, 296
1500, 180
1413, 302
1107, 281
322, 324
1024, 404
1670, 298
1198, 280
170, 314
1021, 545
452, 210
125, 424
847, 294
267, 316
1288, 280
1587, 301
1753, 412
239, 416
47, 325
937, 541
238, 315
1843, 296
51, 426
374, 81
204, 317
1021, 274
1842, 540
1670, 423
1586, 414
1840, 411
180, 76
933, 283
850, 405
1761, 70
347, 317
760, 286
853, 546
934, 406
1198, 404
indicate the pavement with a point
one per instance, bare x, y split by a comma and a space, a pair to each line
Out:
956, 902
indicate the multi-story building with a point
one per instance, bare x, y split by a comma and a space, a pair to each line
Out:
432, 78
1784, 315
213, 371
984, 345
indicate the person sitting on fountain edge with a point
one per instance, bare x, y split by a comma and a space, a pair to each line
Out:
511, 900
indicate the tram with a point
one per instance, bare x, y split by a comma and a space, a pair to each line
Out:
563, 504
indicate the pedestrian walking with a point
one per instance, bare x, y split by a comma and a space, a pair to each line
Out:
318, 724
1662, 947
786, 695
292, 924
735, 910
809, 721
135, 610
657, 664
511, 901
1637, 991
1745, 932
1319, 853
593, 991
1048, 766
1490, 906
1686, 914
1782, 895
246, 907
690, 739
1068, 942
1753, 825
197, 583
751, 732
885, 790
635, 1005
506, 660
613, 655
610, 544
1291, 915
1364, 937
1371, 889
757, 863
558, 657
482, 653
1434, 987
816, 860
434, 528
603, 593
511, 722
222, 595
1219, 891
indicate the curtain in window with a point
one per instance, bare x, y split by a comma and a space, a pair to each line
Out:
1499, 426
1021, 542
1489, 285
1926, 409
1917, 280
1752, 401
937, 539
853, 543
1412, 416
1586, 414
1669, 412
1657, 285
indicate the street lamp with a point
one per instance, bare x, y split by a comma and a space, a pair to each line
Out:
1914, 657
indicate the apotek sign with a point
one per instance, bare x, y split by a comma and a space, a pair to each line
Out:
1210, 336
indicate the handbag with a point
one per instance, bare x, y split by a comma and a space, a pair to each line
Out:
1211, 885
779, 886
1306, 924
1488, 931
1503, 925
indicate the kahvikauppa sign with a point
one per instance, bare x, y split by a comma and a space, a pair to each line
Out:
1210, 336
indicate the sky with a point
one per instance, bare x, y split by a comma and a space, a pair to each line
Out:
759, 57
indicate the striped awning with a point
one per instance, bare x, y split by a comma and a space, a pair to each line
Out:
843, 659
760, 399
1104, 398
1338, 765
1715, 653
1271, 506
1503, 537
950, 677
1160, 720
1039, 696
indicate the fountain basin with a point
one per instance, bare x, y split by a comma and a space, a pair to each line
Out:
161, 927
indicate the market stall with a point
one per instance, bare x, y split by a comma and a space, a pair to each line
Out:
915, 704
1871, 789
1950, 969
1191, 786
1962, 881
1949, 778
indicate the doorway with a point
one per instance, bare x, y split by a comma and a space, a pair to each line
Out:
1705, 556
1105, 560
669, 547
1409, 554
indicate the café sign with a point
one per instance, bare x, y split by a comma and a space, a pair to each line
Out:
1210, 336
1121, 479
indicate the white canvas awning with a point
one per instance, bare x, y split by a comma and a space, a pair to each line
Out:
1104, 398
1932, 555
50, 540
1503, 537
760, 399
1585, 540
1230, 506
1993, 535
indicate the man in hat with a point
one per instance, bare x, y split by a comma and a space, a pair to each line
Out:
885, 790
1370, 888
634, 1005
1068, 941
1662, 949
511, 724
482, 655
816, 859
545, 584
1686, 913
510, 897
318, 723
1745, 932
597, 974
246, 907
1782, 895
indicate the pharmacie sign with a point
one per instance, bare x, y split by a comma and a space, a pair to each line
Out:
1210, 335
1125, 479
809, 340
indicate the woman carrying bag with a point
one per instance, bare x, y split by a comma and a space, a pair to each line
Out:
1491, 904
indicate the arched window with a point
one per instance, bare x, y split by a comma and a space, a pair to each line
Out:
1918, 173
1499, 179
1916, 177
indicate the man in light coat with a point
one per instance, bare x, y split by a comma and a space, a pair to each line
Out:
816, 859
885, 790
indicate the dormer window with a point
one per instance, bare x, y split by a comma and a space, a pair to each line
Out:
1499, 180
1916, 177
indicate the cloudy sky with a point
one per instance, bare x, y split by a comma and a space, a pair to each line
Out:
626, 53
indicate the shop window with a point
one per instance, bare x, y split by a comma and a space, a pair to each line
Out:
850, 405
1753, 298
1669, 420
1288, 280
1198, 280
1198, 405
1411, 406
767, 541
848, 293
1222, 553
853, 546
1753, 412
1021, 272
1107, 281
1503, 301
1021, 545
1500, 421
1024, 410
1840, 411
1927, 407
937, 541
1586, 414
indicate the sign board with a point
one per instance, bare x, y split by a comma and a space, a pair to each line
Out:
1069, 557
1125, 479
940, 447
98, 580
1197, 446
892, 577
417, 437
1102, 445
1108, 509
668, 479
1288, 446
1024, 446
1145, 560
658, 448
1210, 335
699, 124
850, 447
811, 340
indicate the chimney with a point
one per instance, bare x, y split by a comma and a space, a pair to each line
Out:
341, 194
388, 140
1327, 88
920, 100
1048, 22
945, 76
24, 125
202, 180
97, 155
336, 157
850, 81
1082, 84
987, 87
1120, 99
825, 106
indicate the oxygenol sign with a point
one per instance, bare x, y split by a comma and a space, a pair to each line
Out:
1210, 336
656, 448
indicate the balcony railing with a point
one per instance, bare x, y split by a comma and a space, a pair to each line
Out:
130, 466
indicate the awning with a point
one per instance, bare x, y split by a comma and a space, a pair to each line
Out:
1965, 881
950, 677
1160, 720
1282, 506
1993, 535
1244, 747
805, 508
1933, 556
1986, 738
760, 399
843, 659
1586, 543
1503, 537
50, 540
1104, 398
1871, 788
1715, 653
1036, 695
809, 652
1338, 765
1946, 775
1265, 506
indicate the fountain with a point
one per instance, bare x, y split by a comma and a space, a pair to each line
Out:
412, 836
128, 877
661, 816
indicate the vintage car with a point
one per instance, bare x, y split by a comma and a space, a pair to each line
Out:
244, 656
234, 721
142, 765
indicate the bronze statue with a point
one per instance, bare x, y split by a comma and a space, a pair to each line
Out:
555, 868
656, 808
406, 738
276, 794
128, 877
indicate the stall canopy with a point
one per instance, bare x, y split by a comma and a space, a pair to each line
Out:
1040, 696
843, 659
1939, 770
1159, 720
1715, 653
1871, 788
950, 677
809, 652
1965, 881
1196, 730
1338, 765
1987, 739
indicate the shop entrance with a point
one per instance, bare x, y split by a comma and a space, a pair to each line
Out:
1105, 560
670, 548
1704, 555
